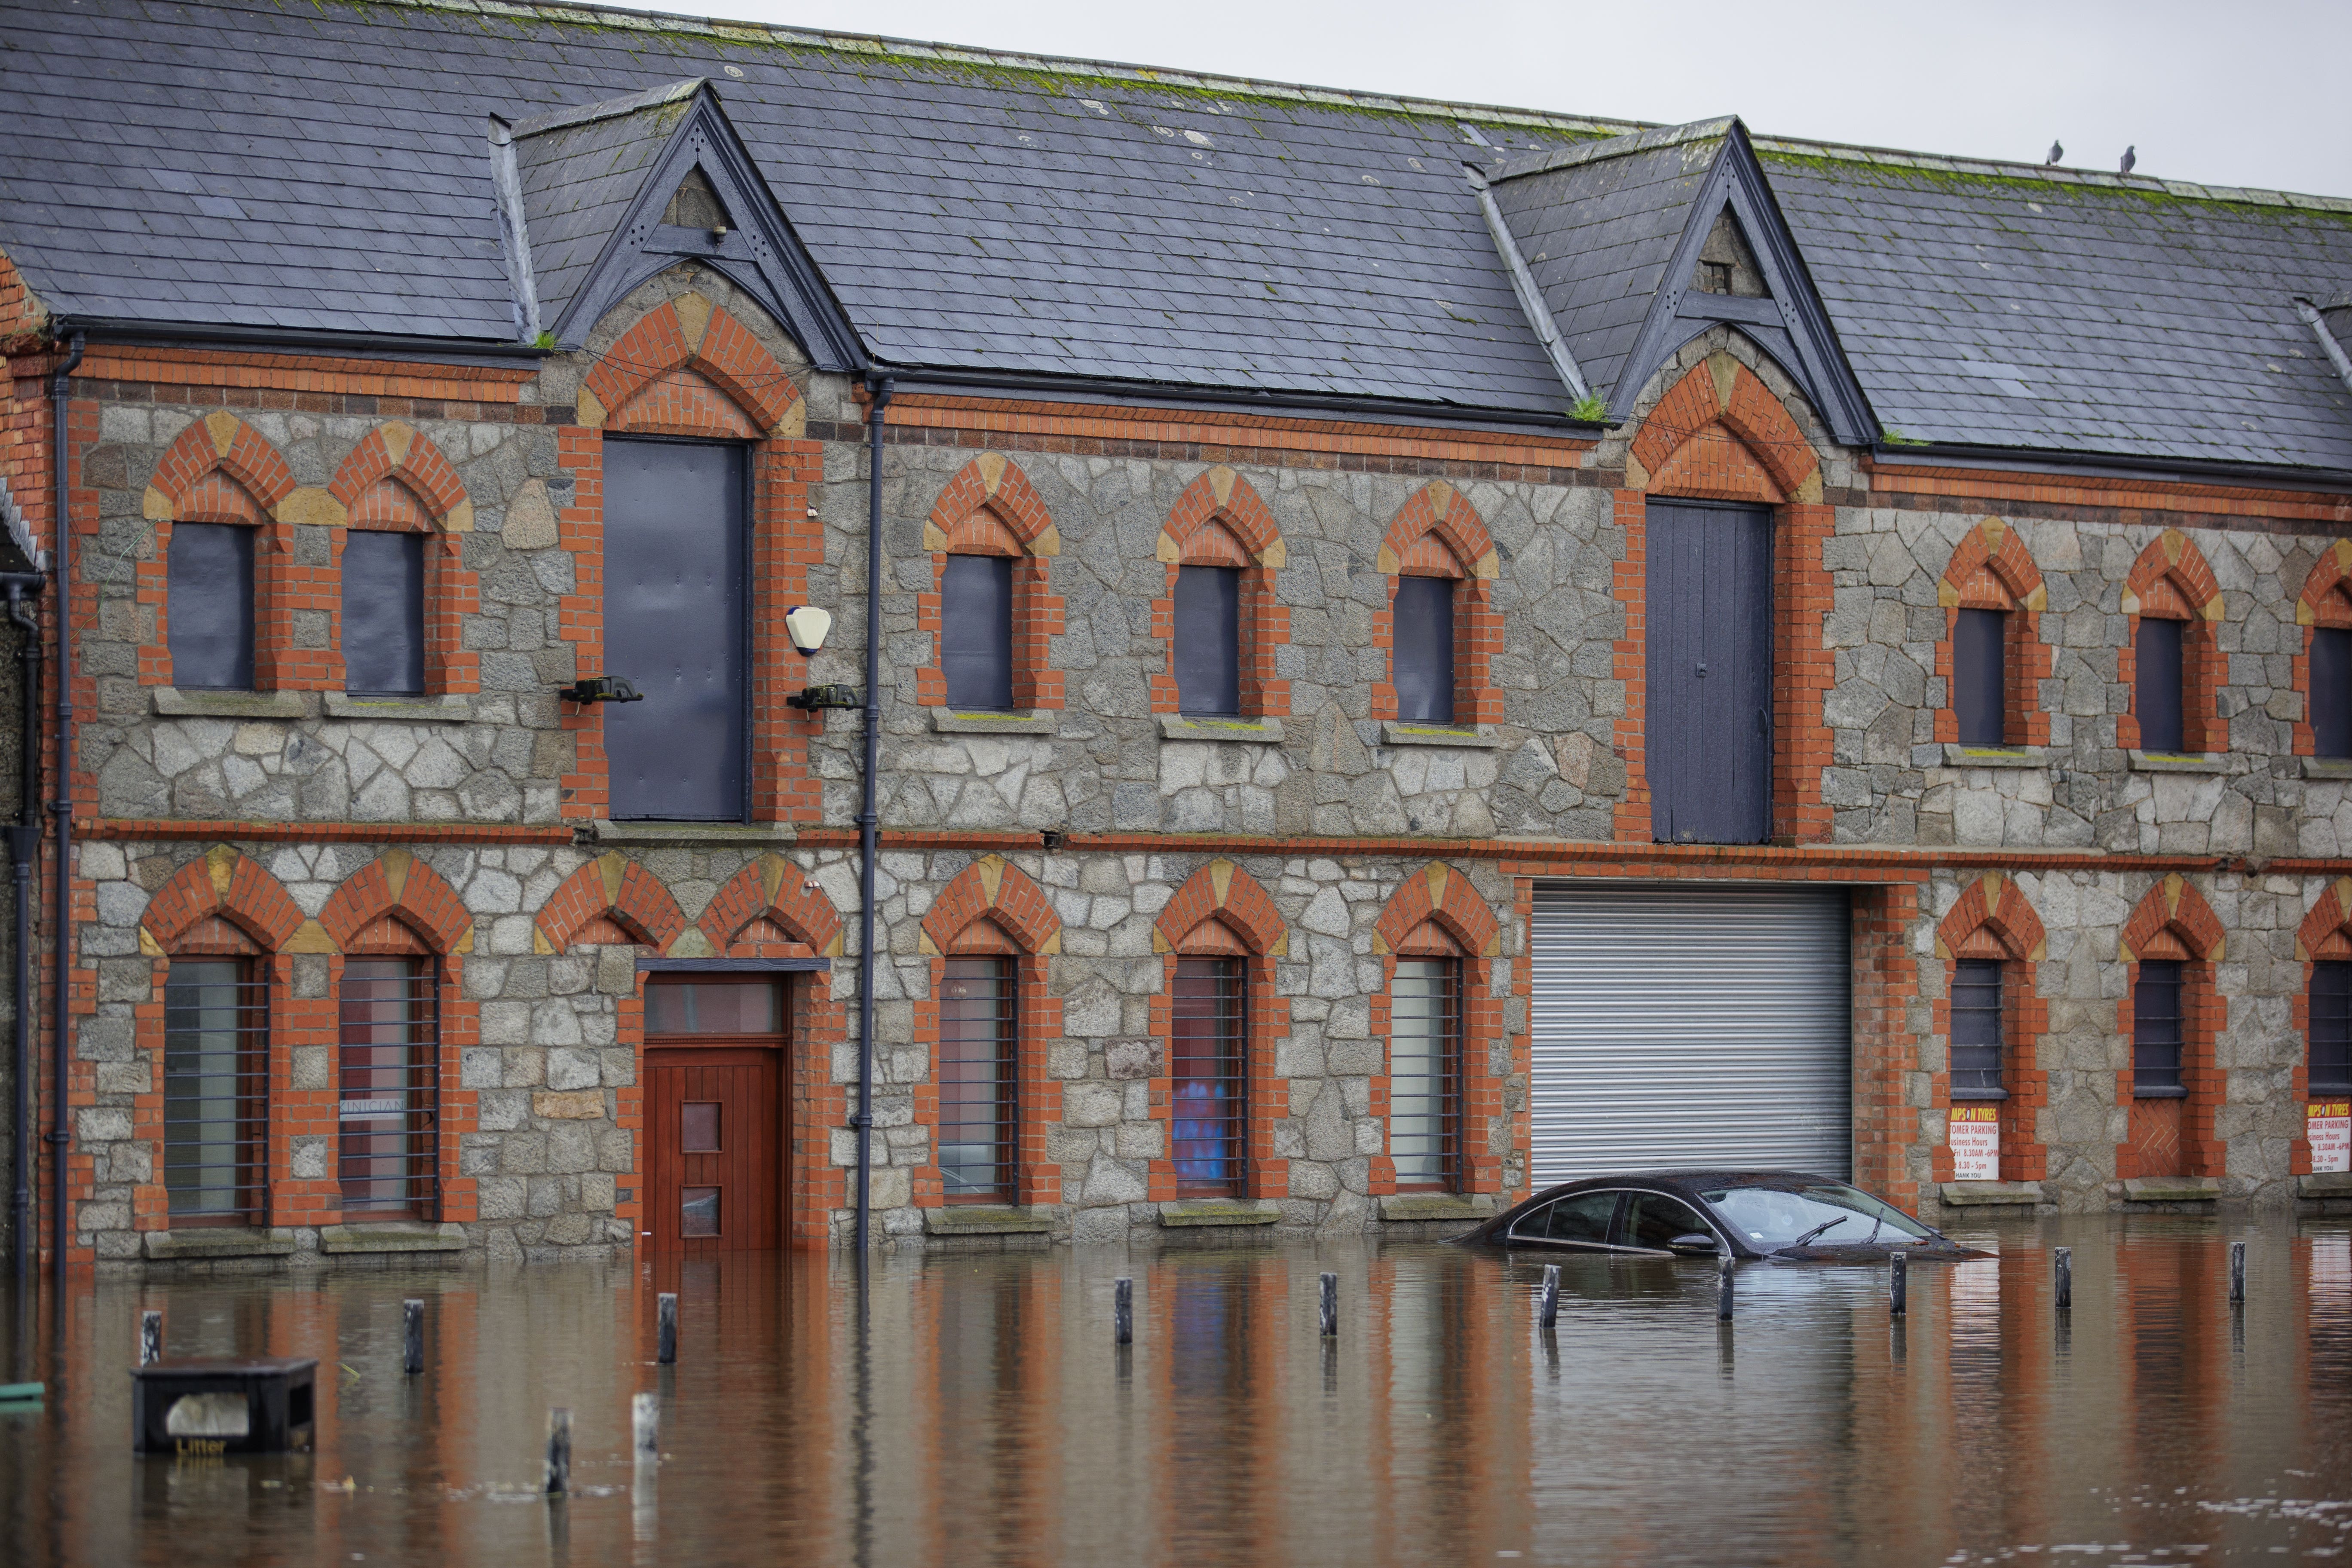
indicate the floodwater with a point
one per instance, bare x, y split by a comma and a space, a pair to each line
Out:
973, 1409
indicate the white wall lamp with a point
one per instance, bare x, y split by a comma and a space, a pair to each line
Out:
807, 627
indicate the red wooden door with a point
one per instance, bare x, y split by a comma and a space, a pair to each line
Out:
714, 1156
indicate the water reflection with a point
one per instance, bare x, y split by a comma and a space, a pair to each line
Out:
973, 1408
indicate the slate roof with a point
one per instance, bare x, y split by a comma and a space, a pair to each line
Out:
578, 179
325, 167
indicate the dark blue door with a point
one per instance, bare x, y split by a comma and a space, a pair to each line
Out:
1708, 731
675, 625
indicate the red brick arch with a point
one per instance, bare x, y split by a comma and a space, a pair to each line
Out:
993, 893
1719, 434
990, 508
1221, 895
1219, 521
224, 883
1442, 897
1990, 569
2171, 580
610, 899
2326, 929
688, 368
774, 892
1991, 919
397, 478
396, 884
220, 443
2326, 602
1438, 534
1994, 920
2174, 921
1436, 912
1221, 912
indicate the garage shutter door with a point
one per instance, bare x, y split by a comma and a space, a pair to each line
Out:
1690, 1025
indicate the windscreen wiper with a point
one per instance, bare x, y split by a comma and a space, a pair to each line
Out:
1818, 1229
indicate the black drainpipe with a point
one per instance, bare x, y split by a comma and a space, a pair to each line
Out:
863, 1119
61, 912
24, 848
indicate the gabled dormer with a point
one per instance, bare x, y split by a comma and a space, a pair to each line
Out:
1638, 244
596, 199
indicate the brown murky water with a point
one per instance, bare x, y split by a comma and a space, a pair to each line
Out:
973, 1409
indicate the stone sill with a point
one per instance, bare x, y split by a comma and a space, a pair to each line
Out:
2175, 762
1248, 731
2326, 767
1395, 734
774, 835
1218, 1211
223, 1241
449, 709
1402, 1207
391, 1235
1036, 721
2325, 1184
1985, 1195
1959, 756
2170, 1189
979, 1219
172, 703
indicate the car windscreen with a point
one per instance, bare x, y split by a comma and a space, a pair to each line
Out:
1824, 1213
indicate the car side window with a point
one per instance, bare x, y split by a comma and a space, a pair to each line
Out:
1653, 1220
1580, 1220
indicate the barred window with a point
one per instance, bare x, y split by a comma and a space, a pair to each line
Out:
1424, 1071
2331, 1027
978, 1036
1976, 1030
1206, 1062
216, 1090
388, 1122
2157, 1028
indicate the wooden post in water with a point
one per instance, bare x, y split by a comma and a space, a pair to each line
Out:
1723, 1289
412, 1337
1122, 1312
1547, 1304
1898, 1292
559, 1451
151, 1338
1328, 1303
645, 1427
2237, 1274
2064, 1293
666, 1340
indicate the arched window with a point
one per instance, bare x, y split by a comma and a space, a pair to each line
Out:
2323, 672
216, 1078
1222, 552
2172, 1013
1992, 1017
1221, 1017
1441, 631
992, 544
2171, 605
1992, 655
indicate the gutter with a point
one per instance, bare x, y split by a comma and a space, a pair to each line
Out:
1523, 284
867, 817
61, 806
23, 849
497, 353
2179, 471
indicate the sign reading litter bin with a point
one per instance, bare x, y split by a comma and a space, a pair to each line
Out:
263, 1405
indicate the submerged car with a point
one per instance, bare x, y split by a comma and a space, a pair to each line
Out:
1708, 1213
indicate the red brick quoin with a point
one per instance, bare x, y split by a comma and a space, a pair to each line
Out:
2174, 921
1437, 913
1221, 912
1718, 433
991, 909
1990, 569
990, 508
2170, 580
1438, 534
1993, 921
1219, 521
2326, 602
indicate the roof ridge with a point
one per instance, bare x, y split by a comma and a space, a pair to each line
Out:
1648, 141
608, 108
2060, 174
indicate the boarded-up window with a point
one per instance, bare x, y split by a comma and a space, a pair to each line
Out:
2331, 691
2157, 1027
2331, 1027
211, 608
2156, 696
976, 631
1425, 649
384, 613
1976, 1028
1209, 640
1980, 676
1205, 1064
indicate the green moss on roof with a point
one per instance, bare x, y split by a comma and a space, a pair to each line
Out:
2030, 187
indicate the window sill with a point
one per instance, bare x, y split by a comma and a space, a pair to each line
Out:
2170, 1189
449, 709
2327, 767
771, 834
1248, 731
1393, 734
173, 703
391, 1235
1404, 1208
1967, 1096
982, 1219
1035, 721
1959, 756
2324, 1184
221, 1241
2186, 763
1218, 1211
1987, 1195
2158, 1092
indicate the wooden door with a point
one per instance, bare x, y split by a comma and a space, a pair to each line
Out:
714, 1154
1707, 730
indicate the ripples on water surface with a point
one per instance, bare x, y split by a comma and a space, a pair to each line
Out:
983, 1415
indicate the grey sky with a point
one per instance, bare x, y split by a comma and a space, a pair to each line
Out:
2250, 94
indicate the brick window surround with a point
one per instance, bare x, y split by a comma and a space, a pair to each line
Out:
398, 482
2325, 603
2174, 921
2170, 580
990, 508
1993, 921
1437, 913
2325, 934
1219, 521
1438, 534
1990, 569
688, 368
1221, 912
991, 909
1719, 434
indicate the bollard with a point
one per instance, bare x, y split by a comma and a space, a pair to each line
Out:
1547, 1304
2064, 1293
2237, 1274
151, 1338
665, 1341
1898, 1291
559, 1451
1723, 1289
644, 1426
1329, 1304
1122, 1312
412, 1337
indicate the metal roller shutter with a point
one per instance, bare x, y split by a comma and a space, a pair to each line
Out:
1690, 1025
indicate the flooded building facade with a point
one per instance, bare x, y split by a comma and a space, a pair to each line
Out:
1422, 651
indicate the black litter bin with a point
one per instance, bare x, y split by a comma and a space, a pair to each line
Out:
260, 1405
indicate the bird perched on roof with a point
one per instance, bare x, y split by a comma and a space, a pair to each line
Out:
2131, 156
2056, 152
